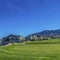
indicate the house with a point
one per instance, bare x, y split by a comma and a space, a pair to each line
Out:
12, 39
32, 38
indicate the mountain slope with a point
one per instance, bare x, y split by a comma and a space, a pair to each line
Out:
50, 33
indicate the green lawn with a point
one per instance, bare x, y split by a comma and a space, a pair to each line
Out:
42, 50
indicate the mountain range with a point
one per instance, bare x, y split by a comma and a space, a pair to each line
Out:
48, 32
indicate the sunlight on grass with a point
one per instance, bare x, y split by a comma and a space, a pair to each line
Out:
31, 51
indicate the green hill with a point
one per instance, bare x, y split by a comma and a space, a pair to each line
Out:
37, 50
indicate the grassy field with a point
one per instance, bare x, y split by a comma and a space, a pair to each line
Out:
39, 50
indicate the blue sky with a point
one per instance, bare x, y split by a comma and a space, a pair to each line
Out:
24, 17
